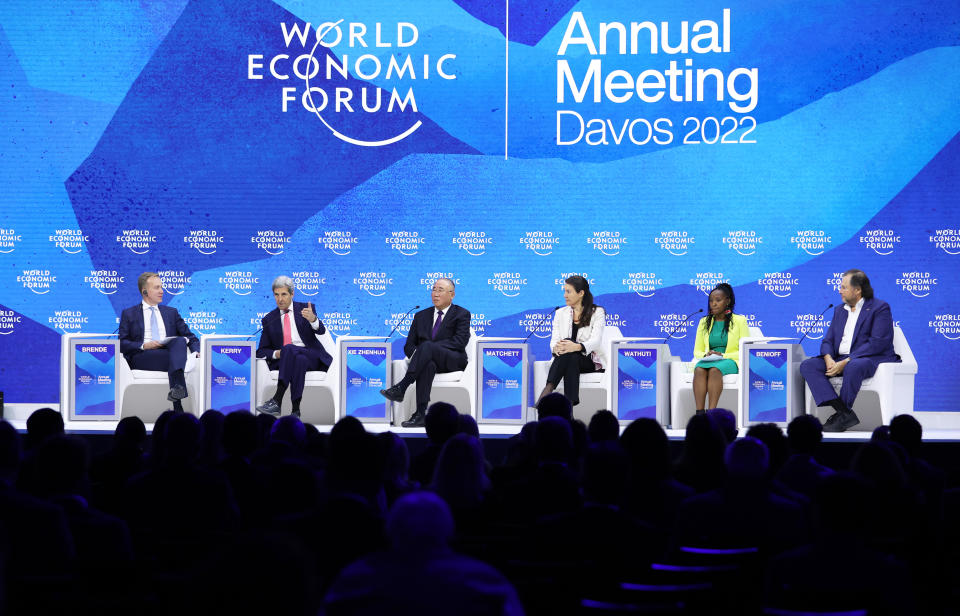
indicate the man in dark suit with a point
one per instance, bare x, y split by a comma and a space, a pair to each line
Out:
155, 337
859, 338
437, 342
289, 342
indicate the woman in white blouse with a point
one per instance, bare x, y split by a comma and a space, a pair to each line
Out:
575, 341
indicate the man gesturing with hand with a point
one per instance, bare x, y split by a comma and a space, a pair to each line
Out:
290, 343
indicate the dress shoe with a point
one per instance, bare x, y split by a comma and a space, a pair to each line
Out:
295, 412
845, 422
177, 392
832, 420
270, 407
417, 420
394, 394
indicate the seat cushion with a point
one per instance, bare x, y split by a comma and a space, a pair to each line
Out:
592, 378
143, 375
448, 377
312, 376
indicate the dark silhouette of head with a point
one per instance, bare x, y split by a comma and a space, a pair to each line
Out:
289, 430
726, 421
646, 443
158, 440
41, 425
804, 434
182, 439
555, 405
606, 473
880, 434
703, 442
746, 459
396, 457
906, 431
419, 522
841, 496
211, 443
604, 426
772, 436
460, 475
554, 440
441, 422
9, 451
264, 425
879, 464
239, 434
466, 424
63, 464
131, 433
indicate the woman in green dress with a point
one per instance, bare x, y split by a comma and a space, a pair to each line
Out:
718, 346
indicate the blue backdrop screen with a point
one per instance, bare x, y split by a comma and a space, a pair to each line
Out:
366, 148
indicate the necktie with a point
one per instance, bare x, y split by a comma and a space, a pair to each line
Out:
436, 326
154, 326
287, 336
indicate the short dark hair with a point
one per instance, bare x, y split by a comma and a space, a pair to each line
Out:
859, 279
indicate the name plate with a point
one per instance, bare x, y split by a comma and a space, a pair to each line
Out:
230, 383
767, 391
502, 384
636, 383
366, 369
94, 378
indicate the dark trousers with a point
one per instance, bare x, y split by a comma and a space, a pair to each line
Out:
814, 373
568, 368
170, 359
294, 363
428, 359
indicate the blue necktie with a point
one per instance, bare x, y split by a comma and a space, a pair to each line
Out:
154, 327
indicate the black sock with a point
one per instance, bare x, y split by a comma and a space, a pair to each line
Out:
838, 405
178, 379
406, 381
296, 404
281, 389
178, 406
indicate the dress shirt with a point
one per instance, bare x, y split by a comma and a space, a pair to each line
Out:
295, 338
852, 315
147, 333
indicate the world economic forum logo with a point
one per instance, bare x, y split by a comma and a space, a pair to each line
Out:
9, 321
811, 241
609, 243
947, 325
374, 284
337, 88
271, 241
203, 321
340, 323
204, 241
810, 324
137, 241
538, 323
9, 240
308, 282
339, 243
407, 243
673, 325
677, 243
39, 281
643, 284
541, 243
778, 284
68, 321
239, 281
106, 282
880, 241
705, 282
743, 242
474, 243
70, 241
917, 284
509, 284
947, 240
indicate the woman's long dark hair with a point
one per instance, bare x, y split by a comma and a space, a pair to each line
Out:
728, 291
579, 283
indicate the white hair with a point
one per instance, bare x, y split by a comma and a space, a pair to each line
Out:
283, 281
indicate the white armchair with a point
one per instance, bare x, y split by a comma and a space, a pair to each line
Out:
144, 392
682, 406
889, 392
321, 390
596, 388
457, 388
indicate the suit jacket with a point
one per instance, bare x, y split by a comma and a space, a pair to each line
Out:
132, 328
454, 333
872, 336
590, 336
738, 329
271, 338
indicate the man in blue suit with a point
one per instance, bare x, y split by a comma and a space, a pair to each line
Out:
289, 342
155, 337
859, 338
437, 342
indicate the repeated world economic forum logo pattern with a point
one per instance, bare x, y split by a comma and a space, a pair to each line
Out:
366, 149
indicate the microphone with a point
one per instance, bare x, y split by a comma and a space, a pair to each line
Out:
540, 322
264, 325
685, 319
818, 318
399, 321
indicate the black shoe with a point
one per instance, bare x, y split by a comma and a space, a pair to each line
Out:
832, 420
417, 420
295, 412
177, 392
270, 407
394, 394
847, 420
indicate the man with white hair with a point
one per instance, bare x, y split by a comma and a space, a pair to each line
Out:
289, 342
